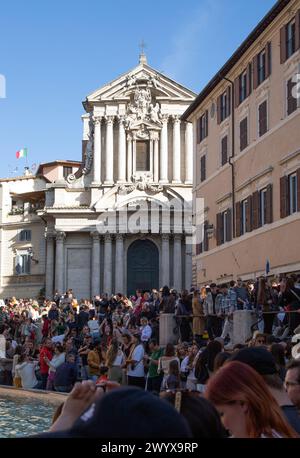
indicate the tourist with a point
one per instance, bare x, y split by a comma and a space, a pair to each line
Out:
172, 382
25, 369
202, 417
154, 378
264, 302
242, 295
292, 382
115, 360
120, 413
204, 365
146, 332
66, 375
246, 406
57, 360
165, 360
198, 316
187, 368
226, 309
184, 312
135, 363
94, 359
46, 353
263, 362
211, 308
220, 360
278, 352
289, 299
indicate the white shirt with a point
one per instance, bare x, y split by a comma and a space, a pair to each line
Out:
120, 359
146, 333
56, 361
26, 371
93, 325
138, 355
58, 339
184, 364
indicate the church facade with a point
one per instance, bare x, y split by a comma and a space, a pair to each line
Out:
122, 220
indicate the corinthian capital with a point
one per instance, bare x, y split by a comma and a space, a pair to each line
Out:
164, 118
176, 119
109, 119
97, 120
60, 236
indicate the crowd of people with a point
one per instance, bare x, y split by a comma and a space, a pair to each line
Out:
218, 388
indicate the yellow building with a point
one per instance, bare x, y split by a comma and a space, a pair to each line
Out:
247, 155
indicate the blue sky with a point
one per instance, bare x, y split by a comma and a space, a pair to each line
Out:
55, 52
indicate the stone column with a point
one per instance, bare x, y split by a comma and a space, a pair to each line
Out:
109, 160
176, 151
165, 260
151, 156
107, 283
49, 265
129, 157
95, 264
119, 281
189, 153
59, 262
156, 165
177, 262
164, 150
97, 149
122, 152
133, 156
188, 263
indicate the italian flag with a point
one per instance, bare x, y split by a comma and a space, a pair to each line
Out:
21, 153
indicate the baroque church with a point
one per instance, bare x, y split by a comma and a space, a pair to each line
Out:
122, 219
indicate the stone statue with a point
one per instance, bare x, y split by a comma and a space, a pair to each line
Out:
154, 112
88, 160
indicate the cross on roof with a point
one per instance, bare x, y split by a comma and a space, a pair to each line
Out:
142, 46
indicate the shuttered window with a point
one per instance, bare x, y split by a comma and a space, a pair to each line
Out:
243, 86
203, 126
224, 227
293, 194
263, 207
203, 168
243, 134
262, 118
290, 36
224, 150
291, 99
261, 76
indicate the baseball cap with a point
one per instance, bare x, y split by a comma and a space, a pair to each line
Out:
127, 413
258, 358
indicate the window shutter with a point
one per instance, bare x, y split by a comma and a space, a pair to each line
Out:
205, 241
238, 219
249, 215
228, 108
224, 152
268, 59
262, 115
219, 228
255, 209
297, 30
243, 134
198, 130
219, 110
284, 181
298, 190
229, 225
283, 45
291, 100
237, 92
255, 72
269, 215
203, 168
249, 79
206, 123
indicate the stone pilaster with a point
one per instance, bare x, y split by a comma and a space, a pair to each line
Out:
164, 150
165, 264
177, 262
97, 149
59, 262
49, 265
122, 152
107, 286
119, 279
109, 159
176, 150
189, 153
95, 264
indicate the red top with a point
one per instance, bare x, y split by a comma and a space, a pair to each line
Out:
45, 329
44, 368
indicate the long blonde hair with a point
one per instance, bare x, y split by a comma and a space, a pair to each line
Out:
112, 353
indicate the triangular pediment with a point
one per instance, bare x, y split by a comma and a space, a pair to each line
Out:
162, 87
